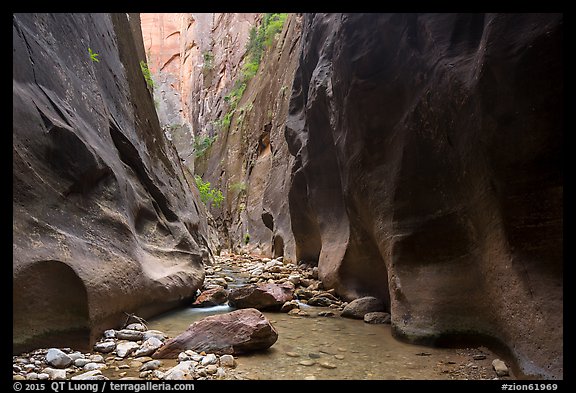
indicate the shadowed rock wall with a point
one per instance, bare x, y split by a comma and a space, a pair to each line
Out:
427, 172
105, 220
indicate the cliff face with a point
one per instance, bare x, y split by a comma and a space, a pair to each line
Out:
194, 60
248, 159
105, 219
427, 172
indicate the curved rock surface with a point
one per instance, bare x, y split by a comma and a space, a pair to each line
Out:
104, 219
232, 333
427, 172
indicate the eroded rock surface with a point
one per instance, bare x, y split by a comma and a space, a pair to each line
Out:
427, 172
105, 220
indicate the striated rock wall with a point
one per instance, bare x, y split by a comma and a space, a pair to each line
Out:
105, 219
427, 172
194, 59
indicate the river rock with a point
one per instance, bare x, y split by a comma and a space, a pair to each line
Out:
105, 346
209, 359
220, 281
55, 373
136, 326
211, 297
154, 333
151, 365
377, 317
319, 301
125, 348
227, 361
266, 296
95, 374
500, 367
96, 358
129, 334
110, 333
148, 347
81, 362
94, 366
239, 331
183, 370
57, 358
291, 305
32, 376
359, 307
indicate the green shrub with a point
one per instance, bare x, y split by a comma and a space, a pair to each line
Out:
208, 194
202, 144
208, 61
93, 56
247, 238
273, 26
146, 74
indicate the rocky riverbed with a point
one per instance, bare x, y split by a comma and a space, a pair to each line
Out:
341, 341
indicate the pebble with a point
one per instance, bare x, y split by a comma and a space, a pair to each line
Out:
55, 373
307, 362
309, 378
105, 346
151, 365
94, 366
292, 354
97, 358
227, 361
314, 355
86, 375
479, 357
500, 367
339, 357
110, 333
327, 365
326, 314
32, 376
81, 362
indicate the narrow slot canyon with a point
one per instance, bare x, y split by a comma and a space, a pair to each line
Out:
267, 196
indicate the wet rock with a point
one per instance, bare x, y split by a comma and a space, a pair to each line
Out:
220, 281
148, 347
129, 334
377, 317
326, 314
291, 305
319, 301
359, 307
105, 346
227, 361
211, 297
235, 332
125, 348
500, 368
302, 293
57, 358
267, 296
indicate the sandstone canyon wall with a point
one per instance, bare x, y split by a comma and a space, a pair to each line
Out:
105, 219
427, 172
249, 159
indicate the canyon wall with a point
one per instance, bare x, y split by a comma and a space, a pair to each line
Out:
428, 172
412, 157
105, 220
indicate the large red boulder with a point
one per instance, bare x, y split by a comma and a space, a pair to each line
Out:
232, 333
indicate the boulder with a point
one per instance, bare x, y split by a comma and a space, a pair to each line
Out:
239, 331
211, 297
125, 348
148, 347
377, 317
268, 296
57, 358
357, 308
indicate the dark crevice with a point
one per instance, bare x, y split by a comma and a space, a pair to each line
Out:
129, 156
